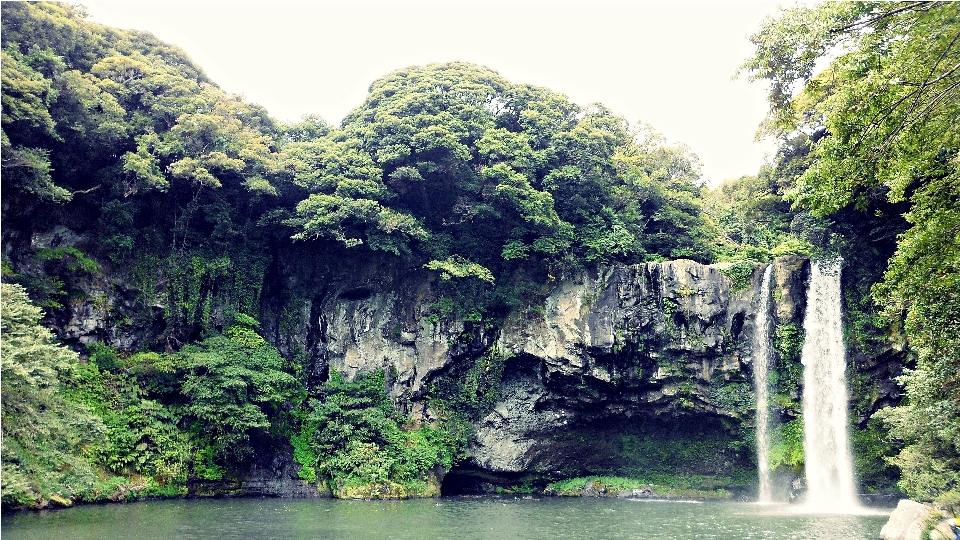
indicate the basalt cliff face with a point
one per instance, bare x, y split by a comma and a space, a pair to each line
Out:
614, 368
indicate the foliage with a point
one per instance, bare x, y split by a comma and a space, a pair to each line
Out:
929, 427
468, 393
62, 268
883, 114
923, 281
31, 359
27, 96
658, 485
360, 441
198, 413
234, 385
739, 274
78, 260
889, 88
496, 172
44, 437
304, 454
125, 138
873, 450
787, 376
104, 357
786, 445
142, 436
459, 267
736, 397
788, 342
122, 425
753, 214
146, 113
792, 246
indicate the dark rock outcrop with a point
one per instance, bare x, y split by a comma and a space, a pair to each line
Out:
276, 475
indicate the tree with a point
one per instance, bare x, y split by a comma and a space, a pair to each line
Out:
235, 384
467, 165
347, 198
661, 202
360, 443
893, 85
755, 221
125, 138
43, 436
27, 96
886, 109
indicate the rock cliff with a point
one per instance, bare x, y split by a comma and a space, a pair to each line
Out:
610, 363
619, 370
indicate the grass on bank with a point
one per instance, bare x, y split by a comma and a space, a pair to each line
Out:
701, 487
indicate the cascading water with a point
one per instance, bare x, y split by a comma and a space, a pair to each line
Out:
826, 443
761, 365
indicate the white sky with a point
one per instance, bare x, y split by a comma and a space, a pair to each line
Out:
665, 63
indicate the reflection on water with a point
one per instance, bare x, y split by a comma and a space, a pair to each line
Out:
448, 518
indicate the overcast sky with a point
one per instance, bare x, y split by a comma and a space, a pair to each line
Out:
668, 64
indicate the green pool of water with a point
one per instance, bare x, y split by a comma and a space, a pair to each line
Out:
447, 518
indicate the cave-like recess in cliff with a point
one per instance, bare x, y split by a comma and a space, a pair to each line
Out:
660, 450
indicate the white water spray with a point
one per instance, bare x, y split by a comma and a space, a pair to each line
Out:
763, 346
826, 443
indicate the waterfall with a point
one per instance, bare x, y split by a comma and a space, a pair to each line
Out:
761, 365
826, 443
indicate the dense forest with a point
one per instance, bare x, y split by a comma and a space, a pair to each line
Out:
136, 189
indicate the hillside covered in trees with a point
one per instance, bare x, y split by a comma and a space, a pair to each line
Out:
168, 234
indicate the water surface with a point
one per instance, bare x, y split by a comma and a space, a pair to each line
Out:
447, 518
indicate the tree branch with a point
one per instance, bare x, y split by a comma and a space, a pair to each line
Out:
910, 6
85, 191
906, 121
917, 94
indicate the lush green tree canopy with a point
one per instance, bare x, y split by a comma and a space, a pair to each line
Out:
450, 165
888, 101
490, 171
